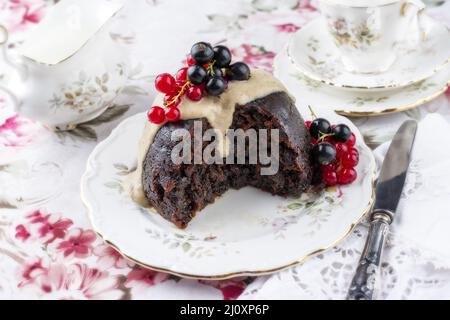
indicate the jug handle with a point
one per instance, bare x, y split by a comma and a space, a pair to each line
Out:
4, 55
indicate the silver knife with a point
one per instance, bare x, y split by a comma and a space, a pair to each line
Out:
387, 195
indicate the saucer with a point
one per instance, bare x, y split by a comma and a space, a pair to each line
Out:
357, 103
235, 235
312, 51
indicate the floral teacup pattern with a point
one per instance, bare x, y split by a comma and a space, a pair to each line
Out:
367, 35
358, 36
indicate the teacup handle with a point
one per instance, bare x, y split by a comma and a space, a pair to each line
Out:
3, 55
420, 7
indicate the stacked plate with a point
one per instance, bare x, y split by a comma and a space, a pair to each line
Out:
311, 66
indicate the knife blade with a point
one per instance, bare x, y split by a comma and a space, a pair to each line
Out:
387, 196
395, 166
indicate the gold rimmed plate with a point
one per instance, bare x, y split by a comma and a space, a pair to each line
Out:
357, 103
233, 236
420, 57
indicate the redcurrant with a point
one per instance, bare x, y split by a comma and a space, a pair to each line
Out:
203, 87
190, 61
330, 178
346, 176
349, 160
194, 93
165, 83
173, 114
355, 152
341, 149
180, 84
328, 168
171, 100
352, 140
156, 115
182, 75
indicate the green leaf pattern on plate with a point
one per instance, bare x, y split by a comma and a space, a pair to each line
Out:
315, 208
185, 243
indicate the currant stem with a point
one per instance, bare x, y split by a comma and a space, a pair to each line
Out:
313, 114
211, 67
180, 93
322, 135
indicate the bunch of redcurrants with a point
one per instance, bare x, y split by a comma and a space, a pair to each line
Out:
207, 72
334, 151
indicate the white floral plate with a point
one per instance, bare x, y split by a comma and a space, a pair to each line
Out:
312, 51
357, 103
245, 232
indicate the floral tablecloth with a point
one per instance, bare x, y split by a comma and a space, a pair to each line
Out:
47, 248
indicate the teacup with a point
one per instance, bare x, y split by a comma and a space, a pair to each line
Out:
366, 32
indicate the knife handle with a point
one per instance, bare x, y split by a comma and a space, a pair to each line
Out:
364, 282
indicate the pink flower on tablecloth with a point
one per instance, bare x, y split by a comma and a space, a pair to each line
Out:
231, 289
17, 132
22, 233
447, 93
287, 27
74, 282
20, 13
54, 228
31, 271
232, 292
45, 226
306, 5
37, 216
78, 242
109, 257
139, 276
255, 56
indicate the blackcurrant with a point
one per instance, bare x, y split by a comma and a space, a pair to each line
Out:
197, 74
202, 53
215, 72
341, 133
216, 86
222, 56
319, 126
239, 71
324, 153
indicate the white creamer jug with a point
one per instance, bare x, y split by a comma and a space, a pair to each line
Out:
69, 69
